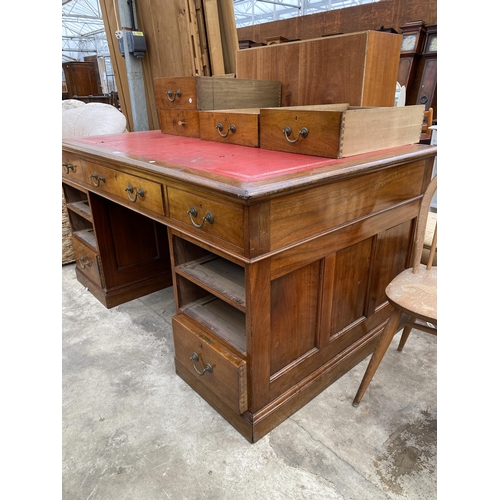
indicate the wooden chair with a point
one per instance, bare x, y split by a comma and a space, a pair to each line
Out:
412, 294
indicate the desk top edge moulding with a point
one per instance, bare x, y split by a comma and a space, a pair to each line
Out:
239, 171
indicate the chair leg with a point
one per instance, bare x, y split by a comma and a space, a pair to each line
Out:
382, 346
405, 334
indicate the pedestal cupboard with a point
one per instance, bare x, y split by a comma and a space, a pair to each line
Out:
279, 261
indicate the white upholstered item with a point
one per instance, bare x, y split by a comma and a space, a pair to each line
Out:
90, 119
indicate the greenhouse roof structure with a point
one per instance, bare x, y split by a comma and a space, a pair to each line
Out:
83, 29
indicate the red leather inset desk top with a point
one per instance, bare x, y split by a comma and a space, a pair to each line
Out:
239, 162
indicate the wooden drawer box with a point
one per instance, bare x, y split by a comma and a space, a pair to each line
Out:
226, 373
86, 260
135, 190
358, 68
207, 216
211, 92
232, 126
339, 130
183, 122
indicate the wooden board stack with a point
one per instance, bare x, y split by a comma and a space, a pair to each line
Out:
212, 31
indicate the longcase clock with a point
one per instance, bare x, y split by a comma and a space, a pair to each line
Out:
428, 83
411, 47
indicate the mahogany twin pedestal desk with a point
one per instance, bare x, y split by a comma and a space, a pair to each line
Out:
279, 261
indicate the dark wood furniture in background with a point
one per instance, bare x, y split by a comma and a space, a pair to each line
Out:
427, 92
411, 49
418, 64
372, 16
81, 78
279, 260
111, 98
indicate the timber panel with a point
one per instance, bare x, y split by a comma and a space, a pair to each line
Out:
325, 207
329, 70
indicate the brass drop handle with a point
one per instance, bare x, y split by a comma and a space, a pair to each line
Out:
288, 131
208, 368
94, 177
170, 94
83, 264
219, 128
130, 190
67, 167
194, 213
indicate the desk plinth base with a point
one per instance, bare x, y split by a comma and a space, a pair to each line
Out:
116, 296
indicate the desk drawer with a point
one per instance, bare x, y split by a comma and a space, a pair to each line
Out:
86, 261
225, 373
205, 215
135, 190
181, 122
215, 92
231, 126
339, 130
176, 93
72, 168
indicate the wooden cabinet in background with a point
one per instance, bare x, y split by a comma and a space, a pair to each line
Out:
81, 78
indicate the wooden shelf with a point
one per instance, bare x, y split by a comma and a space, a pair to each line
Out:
87, 236
219, 276
81, 208
220, 318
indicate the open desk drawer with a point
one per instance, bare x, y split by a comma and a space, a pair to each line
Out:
221, 371
231, 126
339, 130
215, 92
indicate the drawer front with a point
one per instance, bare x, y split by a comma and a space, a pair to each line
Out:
231, 127
86, 261
180, 122
205, 215
220, 370
176, 93
72, 168
310, 132
135, 190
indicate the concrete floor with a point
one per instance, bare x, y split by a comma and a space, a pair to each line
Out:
133, 430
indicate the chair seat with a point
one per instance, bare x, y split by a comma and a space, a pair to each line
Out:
415, 294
